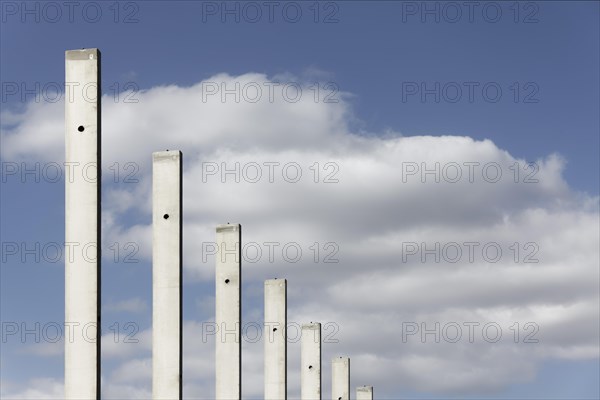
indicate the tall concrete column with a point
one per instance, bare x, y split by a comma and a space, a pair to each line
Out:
310, 362
82, 224
228, 313
340, 383
166, 275
275, 338
364, 393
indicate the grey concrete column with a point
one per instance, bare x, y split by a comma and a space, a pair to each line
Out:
82, 224
310, 362
275, 337
340, 382
228, 313
166, 275
364, 393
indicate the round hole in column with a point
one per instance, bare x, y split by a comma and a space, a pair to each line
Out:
166, 216
226, 280
80, 128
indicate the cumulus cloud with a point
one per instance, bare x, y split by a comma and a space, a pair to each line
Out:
40, 388
394, 232
134, 305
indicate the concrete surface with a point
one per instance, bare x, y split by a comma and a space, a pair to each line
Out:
364, 393
82, 224
228, 358
166, 275
310, 362
275, 339
340, 382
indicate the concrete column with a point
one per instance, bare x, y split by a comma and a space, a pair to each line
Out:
310, 362
166, 275
82, 224
340, 383
275, 338
364, 393
228, 314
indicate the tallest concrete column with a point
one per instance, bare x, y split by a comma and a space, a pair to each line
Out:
82, 224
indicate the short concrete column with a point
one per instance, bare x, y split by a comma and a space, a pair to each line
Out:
364, 393
228, 314
310, 362
340, 382
275, 339
166, 275
82, 224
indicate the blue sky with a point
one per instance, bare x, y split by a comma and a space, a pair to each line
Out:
374, 53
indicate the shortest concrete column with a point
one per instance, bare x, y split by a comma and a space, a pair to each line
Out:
364, 393
340, 382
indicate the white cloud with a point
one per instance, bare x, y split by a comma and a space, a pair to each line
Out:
134, 305
45, 348
379, 207
35, 389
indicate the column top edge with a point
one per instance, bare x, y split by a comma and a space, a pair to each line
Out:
340, 359
82, 54
228, 228
275, 281
312, 325
167, 154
